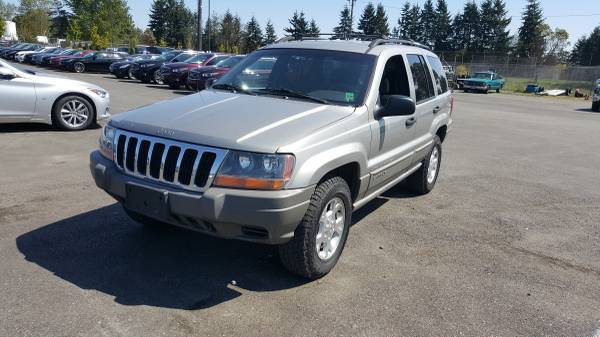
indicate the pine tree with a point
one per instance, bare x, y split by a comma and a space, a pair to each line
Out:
487, 29
299, 25
60, 20
158, 19
403, 21
466, 28
443, 28
270, 35
414, 28
502, 21
586, 51
231, 33
368, 22
427, 22
210, 38
381, 22
313, 28
531, 39
253, 36
345, 25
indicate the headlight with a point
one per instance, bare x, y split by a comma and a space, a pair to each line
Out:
209, 74
124, 66
175, 70
98, 92
255, 171
107, 141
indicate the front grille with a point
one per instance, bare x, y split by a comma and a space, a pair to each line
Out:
182, 165
194, 75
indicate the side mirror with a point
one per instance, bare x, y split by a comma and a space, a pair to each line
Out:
396, 105
7, 74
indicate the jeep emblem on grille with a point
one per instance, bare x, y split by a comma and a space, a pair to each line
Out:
165, 132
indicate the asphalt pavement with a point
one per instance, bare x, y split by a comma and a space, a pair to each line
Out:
508, 244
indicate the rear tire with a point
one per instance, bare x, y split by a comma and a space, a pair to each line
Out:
79, 67
174, 86
310, 253
423, 180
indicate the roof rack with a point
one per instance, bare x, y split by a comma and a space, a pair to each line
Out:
376, 40
412, 43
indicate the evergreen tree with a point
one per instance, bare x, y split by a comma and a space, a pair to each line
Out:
253, 36
381, 22
270, 35
531, 39
299, 25
158, 19
60, 20
210, 38
502, 39
231, 33
443, 28
487, 28
403, 21
345, 25
427, 22
313, 28
147, 38
466, 28
586, 51
368, 21
414, 28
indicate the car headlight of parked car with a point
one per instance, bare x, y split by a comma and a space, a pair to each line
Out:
207, 75
99, 92
124, 66
107, 140
255, 171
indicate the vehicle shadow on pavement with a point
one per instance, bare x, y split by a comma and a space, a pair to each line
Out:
166, 267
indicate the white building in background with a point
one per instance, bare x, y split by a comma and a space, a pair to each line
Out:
10, 31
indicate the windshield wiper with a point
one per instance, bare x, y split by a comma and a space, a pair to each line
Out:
233, 88
291, 93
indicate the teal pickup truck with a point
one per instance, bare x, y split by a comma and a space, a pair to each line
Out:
483, 82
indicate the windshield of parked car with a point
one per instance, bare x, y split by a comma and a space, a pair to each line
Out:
483, 76
330, 77
199, 58
229, 62
180, 57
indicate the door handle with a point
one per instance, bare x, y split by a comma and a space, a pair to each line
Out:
410, 122
436, 110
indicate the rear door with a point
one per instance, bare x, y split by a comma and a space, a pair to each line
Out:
427, 104
17, 97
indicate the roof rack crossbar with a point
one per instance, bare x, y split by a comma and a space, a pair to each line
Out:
376, 40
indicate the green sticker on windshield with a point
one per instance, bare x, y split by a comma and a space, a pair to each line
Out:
349, 97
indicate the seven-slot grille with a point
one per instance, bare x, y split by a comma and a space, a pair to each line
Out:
182, 165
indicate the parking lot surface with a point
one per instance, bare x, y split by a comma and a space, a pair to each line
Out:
508, 244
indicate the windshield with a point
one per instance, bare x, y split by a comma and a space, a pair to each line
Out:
319, 75
200, 58
230, 62
484, 76
181, 58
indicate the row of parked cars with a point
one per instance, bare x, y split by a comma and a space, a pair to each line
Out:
175, 68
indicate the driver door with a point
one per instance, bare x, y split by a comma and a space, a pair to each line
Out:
17, 96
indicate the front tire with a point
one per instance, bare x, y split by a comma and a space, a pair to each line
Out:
424, 179
73, 113
157, 77
321, 236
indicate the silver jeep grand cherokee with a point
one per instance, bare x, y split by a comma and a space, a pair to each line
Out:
285, 147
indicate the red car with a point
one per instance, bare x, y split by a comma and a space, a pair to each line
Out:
55, 61
198, 79
175, 74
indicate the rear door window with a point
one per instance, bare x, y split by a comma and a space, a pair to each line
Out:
421, 78
441, 83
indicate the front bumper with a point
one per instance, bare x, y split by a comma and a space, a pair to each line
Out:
174, 78
197, 83
119, 71
269, 217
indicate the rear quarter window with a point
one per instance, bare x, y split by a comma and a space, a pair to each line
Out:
440, 81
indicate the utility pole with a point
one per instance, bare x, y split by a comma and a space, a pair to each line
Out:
352, 2
208, 21
199, 25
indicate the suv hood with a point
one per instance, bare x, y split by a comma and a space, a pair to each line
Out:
232, 121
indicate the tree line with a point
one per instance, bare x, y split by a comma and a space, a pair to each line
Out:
476, 29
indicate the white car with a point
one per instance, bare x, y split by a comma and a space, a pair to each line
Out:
29, 97
20, 56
